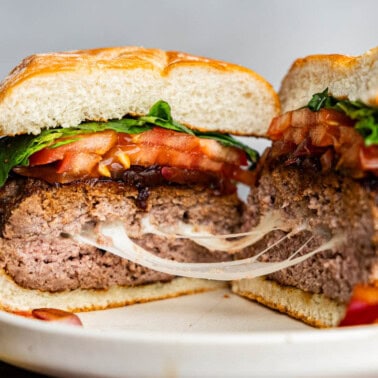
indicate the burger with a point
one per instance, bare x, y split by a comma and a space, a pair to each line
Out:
124, 134
320, 177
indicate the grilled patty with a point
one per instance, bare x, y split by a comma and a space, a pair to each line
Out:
329, 204
33, 214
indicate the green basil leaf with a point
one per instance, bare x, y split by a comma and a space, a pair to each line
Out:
160, 115
124, 125
170, 125
162, 110
318, 101
12, 154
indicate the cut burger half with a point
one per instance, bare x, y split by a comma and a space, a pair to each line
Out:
119, 134
321, 171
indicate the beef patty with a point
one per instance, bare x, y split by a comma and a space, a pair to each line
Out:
33, 214
329, 204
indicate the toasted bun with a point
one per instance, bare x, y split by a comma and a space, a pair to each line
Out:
355, 78
65, 89
14, 298
314, 309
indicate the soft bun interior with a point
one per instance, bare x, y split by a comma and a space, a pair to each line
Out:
352, 77
65, 89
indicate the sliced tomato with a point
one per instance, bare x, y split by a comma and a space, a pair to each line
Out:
279, 125
161, 155
103, 153
323, 126
359, 313
146, 155
97, 143
56, 315
320, 131
168, 138
190, 144
369, 158
218, 152
363, 307
51, 315
78, 163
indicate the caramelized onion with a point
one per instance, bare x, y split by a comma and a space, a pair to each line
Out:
187, 176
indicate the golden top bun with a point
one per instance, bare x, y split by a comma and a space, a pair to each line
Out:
65, 89
351, 77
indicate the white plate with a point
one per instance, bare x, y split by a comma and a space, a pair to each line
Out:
210, 334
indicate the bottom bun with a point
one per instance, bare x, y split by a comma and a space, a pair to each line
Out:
314, 309
14, 298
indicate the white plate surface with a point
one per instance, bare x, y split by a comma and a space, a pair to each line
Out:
209, 334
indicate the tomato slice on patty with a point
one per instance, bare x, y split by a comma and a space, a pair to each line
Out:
322, 131
97, 143
102, 153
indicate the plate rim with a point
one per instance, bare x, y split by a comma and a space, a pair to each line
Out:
194, 354
252, 337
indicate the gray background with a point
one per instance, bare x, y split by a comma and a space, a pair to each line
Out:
263, 35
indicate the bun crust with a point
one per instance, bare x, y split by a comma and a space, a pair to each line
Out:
65, 89
352, 77
14, 298
313, 309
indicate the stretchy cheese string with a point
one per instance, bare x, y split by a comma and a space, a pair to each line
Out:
118, 242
